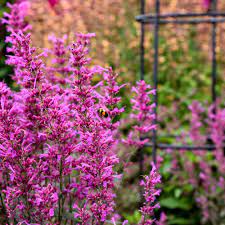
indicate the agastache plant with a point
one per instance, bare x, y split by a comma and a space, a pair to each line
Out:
29, 196
39, 175
150, 193
142, 114
206, 172
57, 150
59, 72
210, 192
15, 21
95, 160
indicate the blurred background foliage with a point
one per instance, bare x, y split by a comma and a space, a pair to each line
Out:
5, 71
184, 72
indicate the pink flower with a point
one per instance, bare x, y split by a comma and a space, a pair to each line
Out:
53, 3
51, 212
206, 3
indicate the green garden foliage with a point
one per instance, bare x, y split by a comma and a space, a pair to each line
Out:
5, 70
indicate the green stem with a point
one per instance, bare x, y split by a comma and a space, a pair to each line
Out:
60, 194
3, 208
70, 200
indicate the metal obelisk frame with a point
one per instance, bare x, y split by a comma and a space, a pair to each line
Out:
211, 17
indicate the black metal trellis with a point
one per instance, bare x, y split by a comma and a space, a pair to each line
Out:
212, 17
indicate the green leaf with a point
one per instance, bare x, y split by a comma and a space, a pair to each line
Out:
188, 188
174, 203
133, 218
179, 221
177, 192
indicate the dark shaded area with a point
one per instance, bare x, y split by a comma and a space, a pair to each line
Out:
5, 70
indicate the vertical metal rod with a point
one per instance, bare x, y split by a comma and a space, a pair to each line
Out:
142, 47
142, 72
155, 74
214, 62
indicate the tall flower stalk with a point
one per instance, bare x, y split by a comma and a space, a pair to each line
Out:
143, 116
142, 113
150, 193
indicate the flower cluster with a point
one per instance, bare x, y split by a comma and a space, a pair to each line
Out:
206, 171
16, 19
59, 71
143, 114
150, 194
95, 160
211, 174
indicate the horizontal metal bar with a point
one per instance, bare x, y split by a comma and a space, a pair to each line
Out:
169, 135
179, 15
183, 147
184, 21
174, 136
